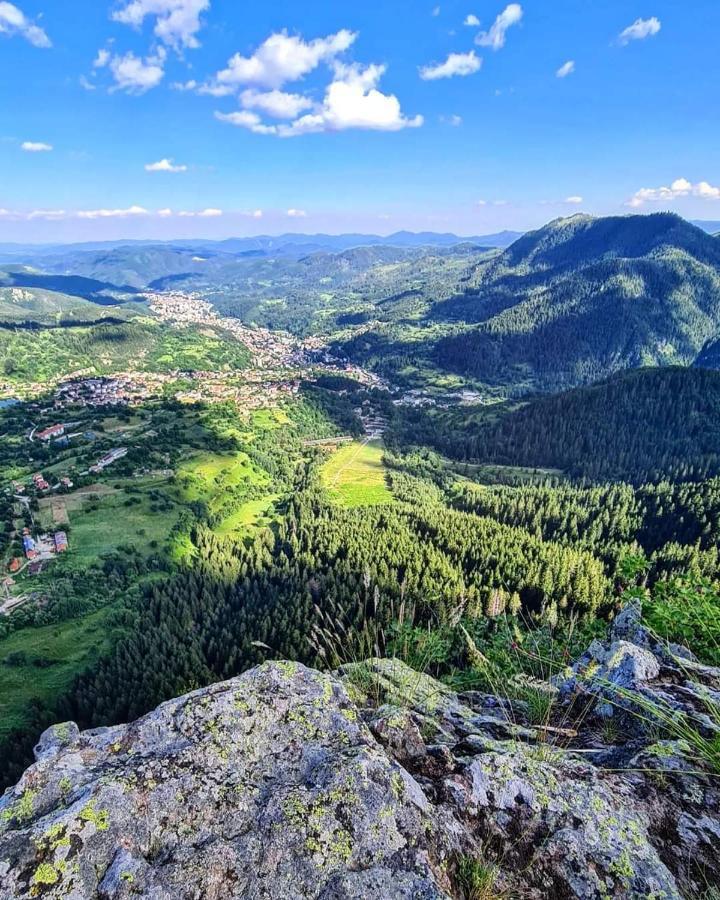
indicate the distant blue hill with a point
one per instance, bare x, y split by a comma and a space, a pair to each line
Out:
268, 245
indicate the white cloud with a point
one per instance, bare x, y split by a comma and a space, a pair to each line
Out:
177, 22
86, 84
472, 21
102, 58
14, 22
681, 187
135, 75
566, 69
247, 119
36, 147
277, 104
495, 38
352, 100
455, 64
297, 214
112, 213
455, 121
164, 165
707, 191
575, 199
639, 30
283, 58
213, 90
56, 215
210, 213
50, 215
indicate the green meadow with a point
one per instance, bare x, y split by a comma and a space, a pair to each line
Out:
355, 475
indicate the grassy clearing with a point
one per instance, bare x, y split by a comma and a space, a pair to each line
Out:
355, 475
70, 646
210, 477
253, 514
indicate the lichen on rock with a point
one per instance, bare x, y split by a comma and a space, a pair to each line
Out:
374, 781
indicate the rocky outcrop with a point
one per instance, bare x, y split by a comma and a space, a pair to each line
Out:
374, 782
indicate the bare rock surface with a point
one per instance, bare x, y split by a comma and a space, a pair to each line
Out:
374, 782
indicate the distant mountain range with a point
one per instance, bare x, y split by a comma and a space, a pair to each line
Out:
282, 245
565, 305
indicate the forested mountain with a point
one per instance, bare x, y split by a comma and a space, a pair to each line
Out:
563, 306
643, 425
582, 298
39, 352
324, 292
21, 305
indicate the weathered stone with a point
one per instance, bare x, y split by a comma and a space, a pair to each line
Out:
277, 786
264, 786
55, 739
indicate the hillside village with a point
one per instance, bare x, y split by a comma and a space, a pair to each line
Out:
68, 434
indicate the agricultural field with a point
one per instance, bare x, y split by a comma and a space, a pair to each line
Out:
139, 515
355, 475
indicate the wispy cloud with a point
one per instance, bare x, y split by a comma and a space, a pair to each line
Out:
566, 69
130, 212
639, 30
575, 200
297, 214
679, 188
13, 21
495, 37
472, 21
277, 104
165, 165
36, 147
177, 22
210, 213
455, 64
131, 73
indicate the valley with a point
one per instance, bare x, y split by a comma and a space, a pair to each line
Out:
204, 484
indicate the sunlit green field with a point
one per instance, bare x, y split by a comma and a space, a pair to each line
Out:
212, 477
251, 515
355, 475
65, 650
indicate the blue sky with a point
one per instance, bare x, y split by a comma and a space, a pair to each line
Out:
175, 118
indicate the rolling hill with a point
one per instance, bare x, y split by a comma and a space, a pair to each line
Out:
41, 307
582, 298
